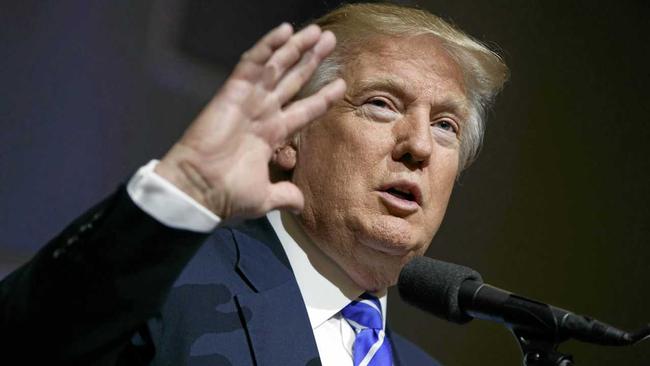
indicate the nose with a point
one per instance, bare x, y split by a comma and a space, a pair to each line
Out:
414, 142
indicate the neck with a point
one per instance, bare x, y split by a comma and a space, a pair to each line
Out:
325, 265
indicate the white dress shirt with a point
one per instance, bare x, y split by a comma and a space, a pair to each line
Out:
325, 288
169, 205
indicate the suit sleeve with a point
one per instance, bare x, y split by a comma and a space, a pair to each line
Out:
85, 295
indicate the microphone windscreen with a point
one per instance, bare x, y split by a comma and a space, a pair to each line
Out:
433, 286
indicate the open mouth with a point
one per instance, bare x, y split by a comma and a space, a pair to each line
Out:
405, 195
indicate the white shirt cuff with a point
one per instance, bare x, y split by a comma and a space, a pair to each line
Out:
166, 203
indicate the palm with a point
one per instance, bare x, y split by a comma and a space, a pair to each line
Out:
229, 146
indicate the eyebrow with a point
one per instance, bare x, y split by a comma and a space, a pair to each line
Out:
459, 107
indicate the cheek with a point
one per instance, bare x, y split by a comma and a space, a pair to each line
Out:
326, 175
346, 153
444, 166
442, 178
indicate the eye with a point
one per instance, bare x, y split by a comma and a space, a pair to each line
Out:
379, 102
380, 108
446, 125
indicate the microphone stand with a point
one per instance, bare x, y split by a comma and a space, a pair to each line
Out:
540, 351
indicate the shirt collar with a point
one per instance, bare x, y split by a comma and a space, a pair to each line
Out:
325, 287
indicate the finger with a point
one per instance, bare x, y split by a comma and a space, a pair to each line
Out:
287, 55
284, 195
300, 113
296, 78
264, 48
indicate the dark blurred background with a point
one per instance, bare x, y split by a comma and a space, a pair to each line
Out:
556, 208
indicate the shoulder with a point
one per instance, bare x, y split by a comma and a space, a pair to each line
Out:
407, 353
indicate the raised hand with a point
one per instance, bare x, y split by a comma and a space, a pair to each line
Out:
222, 159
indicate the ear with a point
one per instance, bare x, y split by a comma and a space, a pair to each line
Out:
285, 157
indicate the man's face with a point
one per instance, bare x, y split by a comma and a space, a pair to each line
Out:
378, 169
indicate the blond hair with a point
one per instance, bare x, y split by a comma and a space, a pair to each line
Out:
483, 70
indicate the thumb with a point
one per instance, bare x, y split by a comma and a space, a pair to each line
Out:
284, 195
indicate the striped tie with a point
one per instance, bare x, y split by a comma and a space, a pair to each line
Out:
371, 347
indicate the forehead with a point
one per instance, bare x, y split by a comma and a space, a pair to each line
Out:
417, 65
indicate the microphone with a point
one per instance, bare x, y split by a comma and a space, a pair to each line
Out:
458, 294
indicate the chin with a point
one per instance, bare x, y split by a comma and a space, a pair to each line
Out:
391, 235
385, 244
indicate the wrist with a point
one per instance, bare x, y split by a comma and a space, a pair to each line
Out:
175, 174
165, 202
179, 169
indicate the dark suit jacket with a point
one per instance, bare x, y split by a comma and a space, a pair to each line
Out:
107, 291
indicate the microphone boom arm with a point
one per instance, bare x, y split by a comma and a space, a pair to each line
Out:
540, 328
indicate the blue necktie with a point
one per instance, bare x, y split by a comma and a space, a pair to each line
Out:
371, 346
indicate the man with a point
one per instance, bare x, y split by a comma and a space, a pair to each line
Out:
362, 160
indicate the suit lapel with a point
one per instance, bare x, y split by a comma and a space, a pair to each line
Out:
279, 331
274, 313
